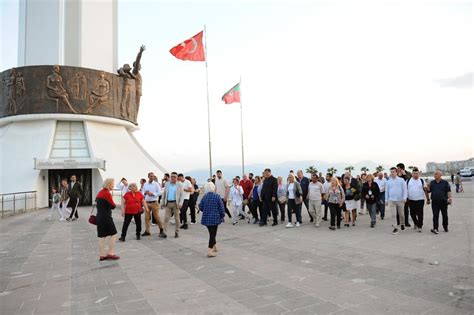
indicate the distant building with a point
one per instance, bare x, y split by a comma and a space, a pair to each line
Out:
450, 166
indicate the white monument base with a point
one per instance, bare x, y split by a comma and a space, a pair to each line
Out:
26, 144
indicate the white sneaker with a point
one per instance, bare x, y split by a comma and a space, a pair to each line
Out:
289, 225
297, 224
62, 219
316, 225
173, 222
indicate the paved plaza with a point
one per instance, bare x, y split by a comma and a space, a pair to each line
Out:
52, 267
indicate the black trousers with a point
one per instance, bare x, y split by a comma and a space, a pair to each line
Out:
296, 208
335, 214
212, 235
267, 207
74, 204
255, 207
226, 210
416, 211
282, 211
407, 215
128, 219
192, 209
182, 212
437, 206
326, 207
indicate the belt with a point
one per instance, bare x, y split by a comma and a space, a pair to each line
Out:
171, 200
151, 202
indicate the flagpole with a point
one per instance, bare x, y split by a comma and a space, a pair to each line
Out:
208, 107
241, 127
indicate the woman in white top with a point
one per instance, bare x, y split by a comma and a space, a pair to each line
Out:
294, 196
237, 197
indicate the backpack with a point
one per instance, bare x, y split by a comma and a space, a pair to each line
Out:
422, 182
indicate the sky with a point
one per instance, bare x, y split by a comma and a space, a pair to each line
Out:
387, 81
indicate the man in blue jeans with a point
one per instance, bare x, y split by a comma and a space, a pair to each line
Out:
440, 199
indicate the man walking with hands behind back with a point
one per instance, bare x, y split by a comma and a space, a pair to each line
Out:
170, 198
75, 195
440, 199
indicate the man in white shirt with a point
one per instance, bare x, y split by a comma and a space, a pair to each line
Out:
222, 189
381, 181
315, 194
417, 192
186, 190
152, 191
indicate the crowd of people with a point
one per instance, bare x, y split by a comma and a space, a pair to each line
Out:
263, 200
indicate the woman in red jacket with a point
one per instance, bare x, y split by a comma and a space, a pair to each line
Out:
105, 223
133, 202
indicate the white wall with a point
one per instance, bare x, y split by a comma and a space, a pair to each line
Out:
80, 33
20, 143
124, 156
40, 32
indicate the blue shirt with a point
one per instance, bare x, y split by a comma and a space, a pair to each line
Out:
172, 192
439, 191
256, 192
396, 189
212, 209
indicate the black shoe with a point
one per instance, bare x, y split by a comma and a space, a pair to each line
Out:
184, 226
325, 219
146, 233
68, 219
395, 231
403, 227
311, 220
408, 225
162, 235
176, 235
372, 225
381, 218
332, 228
353, 224
241, 217
138, 237
434, 231
446, 230
275, 223
256, 221
122, 239
339, 227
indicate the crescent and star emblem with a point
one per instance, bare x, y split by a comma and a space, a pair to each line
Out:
193, 50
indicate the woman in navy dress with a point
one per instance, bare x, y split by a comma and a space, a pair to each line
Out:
213, 213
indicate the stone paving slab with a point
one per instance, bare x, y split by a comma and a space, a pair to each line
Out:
52, 267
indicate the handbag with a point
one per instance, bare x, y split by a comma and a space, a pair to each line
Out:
282, 199
92, 217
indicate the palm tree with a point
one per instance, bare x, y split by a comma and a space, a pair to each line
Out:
349, 168
311, 170
332, 170
379, 168
411, 168
364, 169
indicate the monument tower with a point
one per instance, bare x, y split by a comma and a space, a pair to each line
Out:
66, 109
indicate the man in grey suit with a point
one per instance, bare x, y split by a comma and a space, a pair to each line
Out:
75, 194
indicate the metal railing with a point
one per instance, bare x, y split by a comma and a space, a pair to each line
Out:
19, 202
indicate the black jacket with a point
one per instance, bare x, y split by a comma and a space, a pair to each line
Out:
76, 191
375, 192
269, 189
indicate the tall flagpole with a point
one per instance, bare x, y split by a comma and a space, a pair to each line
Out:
241, 127
208, 107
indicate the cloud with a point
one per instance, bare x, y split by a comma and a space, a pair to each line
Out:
461, 82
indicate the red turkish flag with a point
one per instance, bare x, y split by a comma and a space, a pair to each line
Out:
191, 49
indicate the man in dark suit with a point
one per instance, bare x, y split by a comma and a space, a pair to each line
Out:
269, 197
75, 194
